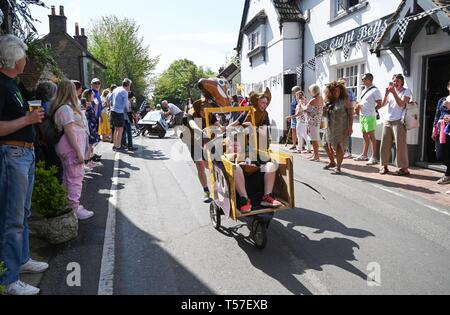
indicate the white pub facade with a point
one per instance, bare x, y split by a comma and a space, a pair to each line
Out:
347, 38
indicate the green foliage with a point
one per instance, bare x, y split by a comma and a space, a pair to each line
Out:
49, 196
42, 55
179, 82
116, 43
2, 271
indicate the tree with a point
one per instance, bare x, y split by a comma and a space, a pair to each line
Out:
179, 82
15, 17
116, 43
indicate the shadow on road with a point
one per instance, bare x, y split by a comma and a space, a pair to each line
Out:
291, 253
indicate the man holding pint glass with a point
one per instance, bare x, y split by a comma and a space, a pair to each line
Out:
17, 167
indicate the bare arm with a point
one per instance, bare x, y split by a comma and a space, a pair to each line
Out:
379, 105
350, 113
9, 127
401, 101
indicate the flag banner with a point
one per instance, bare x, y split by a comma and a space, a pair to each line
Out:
299, 71
402, 27
311, 64
346, 51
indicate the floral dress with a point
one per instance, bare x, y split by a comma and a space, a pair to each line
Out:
93, 124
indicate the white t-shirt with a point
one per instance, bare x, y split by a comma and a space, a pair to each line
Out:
369, 101
395, 112
174, 110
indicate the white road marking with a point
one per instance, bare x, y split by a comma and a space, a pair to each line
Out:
106, 282
418, 202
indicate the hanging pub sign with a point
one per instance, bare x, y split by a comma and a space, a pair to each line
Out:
354, 36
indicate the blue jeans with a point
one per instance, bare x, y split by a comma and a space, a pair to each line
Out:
17, 168
128, 133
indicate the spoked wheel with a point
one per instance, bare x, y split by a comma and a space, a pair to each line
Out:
259, 233
215, 215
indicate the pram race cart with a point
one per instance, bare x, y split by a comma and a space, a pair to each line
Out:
223, 190
154, 124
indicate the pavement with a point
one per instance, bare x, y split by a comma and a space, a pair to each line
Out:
422, 182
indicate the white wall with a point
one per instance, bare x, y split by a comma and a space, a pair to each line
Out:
283, 53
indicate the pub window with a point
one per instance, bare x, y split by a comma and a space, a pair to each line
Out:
344, 5
352, 75
254, 40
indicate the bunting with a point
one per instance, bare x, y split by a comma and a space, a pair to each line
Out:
346, 51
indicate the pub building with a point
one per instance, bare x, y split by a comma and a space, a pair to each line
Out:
366, 38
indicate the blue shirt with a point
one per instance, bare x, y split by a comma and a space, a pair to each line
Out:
351, 96
100, 106
293, 106
119, 100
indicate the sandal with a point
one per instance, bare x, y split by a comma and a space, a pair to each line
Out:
329, 166
402, 173
337, 172
384, 171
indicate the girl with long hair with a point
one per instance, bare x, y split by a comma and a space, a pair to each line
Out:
71, 148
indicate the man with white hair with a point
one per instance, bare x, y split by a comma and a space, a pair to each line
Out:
17, 168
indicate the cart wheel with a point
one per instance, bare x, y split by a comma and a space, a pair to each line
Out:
259, 232
215, 215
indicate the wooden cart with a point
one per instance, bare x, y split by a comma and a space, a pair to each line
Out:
224, 193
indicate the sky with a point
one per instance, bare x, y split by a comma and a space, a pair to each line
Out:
204, 31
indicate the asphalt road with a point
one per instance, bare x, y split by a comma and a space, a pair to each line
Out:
343, 231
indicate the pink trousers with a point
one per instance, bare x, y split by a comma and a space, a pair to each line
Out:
73, 172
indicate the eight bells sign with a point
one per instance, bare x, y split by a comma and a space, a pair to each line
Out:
352, 37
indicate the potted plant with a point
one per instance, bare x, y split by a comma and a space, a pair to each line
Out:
57, 223
2, 271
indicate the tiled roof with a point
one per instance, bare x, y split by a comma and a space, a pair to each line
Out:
441, 3
288, 11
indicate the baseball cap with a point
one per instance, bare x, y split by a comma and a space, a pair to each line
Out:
96, 80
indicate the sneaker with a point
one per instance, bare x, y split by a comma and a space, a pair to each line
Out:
96, 158
83, 214
445, 180
207, 197
372, 162
294, 148
21, 288
348, 156
246, 205
361, 158
269, 201
34, 267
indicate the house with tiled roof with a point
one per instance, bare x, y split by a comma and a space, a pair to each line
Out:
71, 53
270, 47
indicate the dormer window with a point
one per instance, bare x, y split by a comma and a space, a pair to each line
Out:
254, 40
344, 5
343, 8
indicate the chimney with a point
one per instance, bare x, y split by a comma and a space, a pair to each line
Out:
58, 23
81, 39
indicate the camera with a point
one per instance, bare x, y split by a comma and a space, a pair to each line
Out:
329, 106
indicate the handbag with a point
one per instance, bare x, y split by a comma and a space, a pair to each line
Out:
411, 116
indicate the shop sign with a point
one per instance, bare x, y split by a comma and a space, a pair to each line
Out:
359, 34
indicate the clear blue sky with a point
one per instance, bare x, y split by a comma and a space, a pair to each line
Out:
204, 31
